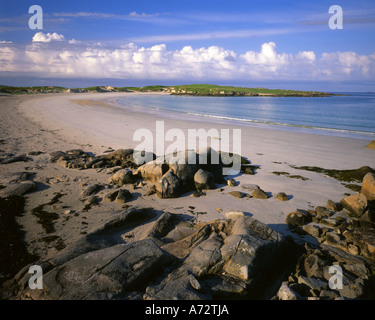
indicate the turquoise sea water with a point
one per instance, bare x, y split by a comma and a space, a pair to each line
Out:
352, 115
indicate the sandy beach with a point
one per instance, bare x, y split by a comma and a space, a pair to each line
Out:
57, 122
94, 123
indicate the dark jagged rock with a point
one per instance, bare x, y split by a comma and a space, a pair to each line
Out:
114, 270
178, 285
6, 158
123, 196
282, 196
249, 169
119, 196
223, 258
312, 276
238, 194
168, 186
18, 189
229, 258
349, 243
333, 206
362, 234
162, 226
127, 158
91, 190
230, 255
212, 161
78, 159
231, 183
187, 166
259, 194
298, 218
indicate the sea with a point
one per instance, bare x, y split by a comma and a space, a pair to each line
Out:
350, 114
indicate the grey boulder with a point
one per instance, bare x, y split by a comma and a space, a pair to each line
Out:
204, 180
168, 186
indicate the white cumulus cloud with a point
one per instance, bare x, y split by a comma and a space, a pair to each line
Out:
48, 37
268, 60
7, 58
74, 41
49, 56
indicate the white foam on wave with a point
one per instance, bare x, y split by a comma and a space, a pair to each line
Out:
312, 129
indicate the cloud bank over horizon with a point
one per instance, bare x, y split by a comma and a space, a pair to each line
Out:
51, 55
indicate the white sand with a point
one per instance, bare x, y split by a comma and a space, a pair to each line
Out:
96, 127
114, 127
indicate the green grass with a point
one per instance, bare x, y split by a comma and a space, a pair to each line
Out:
36, 89
193, 89
209, 89
90, 88
129, 88
153, 88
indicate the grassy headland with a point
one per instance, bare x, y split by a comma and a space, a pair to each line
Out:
194, 90
214, 90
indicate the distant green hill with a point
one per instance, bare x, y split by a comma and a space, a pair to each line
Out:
193, 89
29, 90
215, 90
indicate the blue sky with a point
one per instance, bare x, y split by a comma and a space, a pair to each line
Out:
271, 43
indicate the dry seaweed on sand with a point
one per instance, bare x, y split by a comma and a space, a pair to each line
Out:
353, 175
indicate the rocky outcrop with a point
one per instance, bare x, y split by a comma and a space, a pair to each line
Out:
175, 174
234, 214
120, 196
152, 171
346, 238
368, 186
348, 225
123, 176
78, 159
106, 273
298, 218
341, 230
333, 206
360, 238
313, 278
6, 158
16, 183
225, 258
355, 204
237, 257
91, 190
